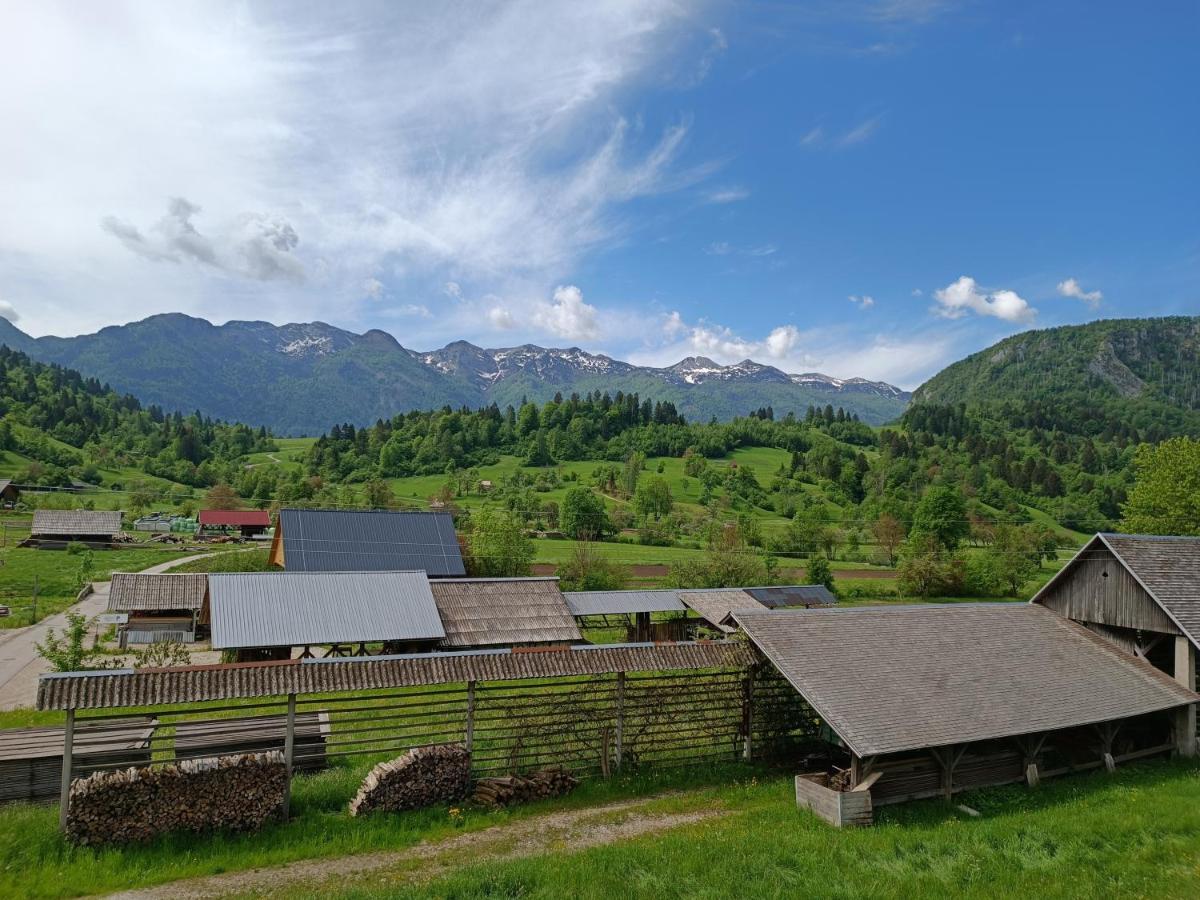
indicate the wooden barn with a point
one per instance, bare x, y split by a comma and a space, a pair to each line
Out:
53, 529
247, 523
929, 700
9, 493
503, 612
632, 610
159, 607
1139, 592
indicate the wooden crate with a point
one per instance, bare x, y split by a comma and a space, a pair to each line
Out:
840, 808
31, 758
255, 734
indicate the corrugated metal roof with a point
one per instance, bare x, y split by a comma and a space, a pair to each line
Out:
714, 606
293, 609
895, 678
132, 591
235, 517
83, 522
337, 540
792, 595
1168, 567
194, 684
489, 612
611, 603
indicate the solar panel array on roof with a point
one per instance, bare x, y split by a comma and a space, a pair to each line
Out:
793, 595
335, 540
297, 609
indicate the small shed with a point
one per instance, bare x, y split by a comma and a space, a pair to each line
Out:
253, 611
503, 612
368, 540
928, 700
246, 522
31, 758
9, 493
54, 529
715, 606
633, 609
160, 607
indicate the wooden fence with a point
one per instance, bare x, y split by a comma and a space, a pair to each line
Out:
594, 726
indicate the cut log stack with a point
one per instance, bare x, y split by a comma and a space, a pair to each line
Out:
507, 790
421, 777
235, 793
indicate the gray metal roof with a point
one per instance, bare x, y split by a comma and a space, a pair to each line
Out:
894, 678
716, 604
489, 612
134, 591
82, 522
293, 609
337, 540
1167, 567
194, 684
611, 603
4, 483
793, 595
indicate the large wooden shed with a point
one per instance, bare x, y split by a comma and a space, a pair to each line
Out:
54, 529
929, 700
1142, 594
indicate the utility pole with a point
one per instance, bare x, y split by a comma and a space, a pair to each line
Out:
33, 608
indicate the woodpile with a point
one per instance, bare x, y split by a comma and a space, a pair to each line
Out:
230, 793
510, 789
421, 777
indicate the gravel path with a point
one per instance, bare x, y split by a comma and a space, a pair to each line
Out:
577, 829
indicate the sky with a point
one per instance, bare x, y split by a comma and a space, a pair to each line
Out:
868, 188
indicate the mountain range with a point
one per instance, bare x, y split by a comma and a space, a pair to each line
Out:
302, 378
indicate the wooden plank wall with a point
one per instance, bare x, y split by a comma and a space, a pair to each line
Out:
1085, 595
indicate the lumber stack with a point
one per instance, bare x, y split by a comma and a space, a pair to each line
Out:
233, 793
509, 789
421, 777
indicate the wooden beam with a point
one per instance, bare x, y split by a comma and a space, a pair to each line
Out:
64, 801
865, 784
1185, 717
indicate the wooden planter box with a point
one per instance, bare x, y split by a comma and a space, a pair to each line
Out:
840, 808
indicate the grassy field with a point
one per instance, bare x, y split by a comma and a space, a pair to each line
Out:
58, 576
1132, 834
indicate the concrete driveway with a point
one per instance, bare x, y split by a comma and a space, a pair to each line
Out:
20, 664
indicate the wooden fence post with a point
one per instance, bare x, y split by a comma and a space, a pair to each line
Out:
1185, 716
748, 715
67, 763
289, 749
469, 740
620, 718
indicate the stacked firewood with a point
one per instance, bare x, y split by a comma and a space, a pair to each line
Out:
510, 789
421, 777
137, 804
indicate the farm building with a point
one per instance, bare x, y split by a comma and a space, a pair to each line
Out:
53, 529
1141, 593
633, 610
929, 700
503, 612
159, 606
264, 615
246, 522
716, 606
9, 493
329, 540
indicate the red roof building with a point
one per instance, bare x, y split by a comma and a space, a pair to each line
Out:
248, 521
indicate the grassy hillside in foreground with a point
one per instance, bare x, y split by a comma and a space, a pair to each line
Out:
1132, 834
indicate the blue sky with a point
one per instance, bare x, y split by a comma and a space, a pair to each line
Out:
860, 188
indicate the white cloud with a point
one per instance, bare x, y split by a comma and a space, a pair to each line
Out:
501, 318
299, 132
724, 248
453, 290
1071, 288
567, 316
964, 295
917, 292
864, 301
673, 325
7, 311
411, 310
781, 341
373, 288
860, 132
813, 137
719, 248
727, 195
